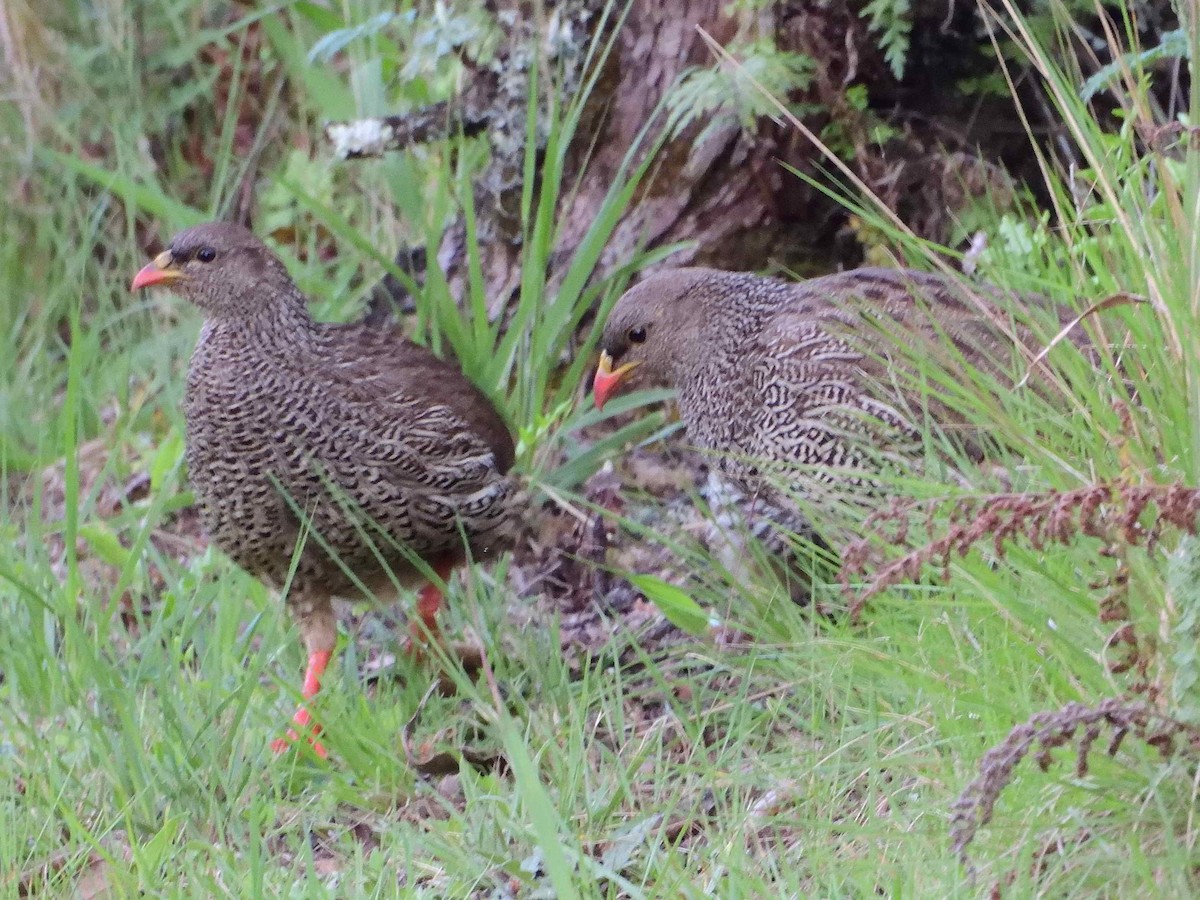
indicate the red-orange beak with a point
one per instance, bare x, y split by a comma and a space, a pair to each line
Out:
604, 385
162, 271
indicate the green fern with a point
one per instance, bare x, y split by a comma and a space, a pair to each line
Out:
734, 90
891, 20
1173, 45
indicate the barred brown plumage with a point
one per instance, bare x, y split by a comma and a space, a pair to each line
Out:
362, 447
811, 379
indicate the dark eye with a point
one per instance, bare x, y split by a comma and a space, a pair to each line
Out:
206, 254
637, 335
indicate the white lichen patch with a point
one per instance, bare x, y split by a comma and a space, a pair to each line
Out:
361, 137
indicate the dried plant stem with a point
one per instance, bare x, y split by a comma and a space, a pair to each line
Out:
1118, 514
1045, 731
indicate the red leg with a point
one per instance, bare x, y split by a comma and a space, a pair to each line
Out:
318, 660
429, 603
313, 612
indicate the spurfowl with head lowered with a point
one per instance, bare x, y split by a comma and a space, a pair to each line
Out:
807, 376
334, 454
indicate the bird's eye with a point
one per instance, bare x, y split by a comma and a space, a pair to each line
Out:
637, 335
206, 254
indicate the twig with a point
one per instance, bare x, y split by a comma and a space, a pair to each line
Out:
373, 137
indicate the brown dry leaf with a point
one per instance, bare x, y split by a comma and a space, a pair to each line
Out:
327, 864
427, 761
94, 883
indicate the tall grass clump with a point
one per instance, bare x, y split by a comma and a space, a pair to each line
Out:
780, 753
1081, 540
139, 679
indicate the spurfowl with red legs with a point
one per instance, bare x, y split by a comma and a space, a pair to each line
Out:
325, 457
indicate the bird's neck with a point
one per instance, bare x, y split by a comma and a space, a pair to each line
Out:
709, 345
281, 324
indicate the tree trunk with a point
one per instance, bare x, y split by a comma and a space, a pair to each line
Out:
719, 184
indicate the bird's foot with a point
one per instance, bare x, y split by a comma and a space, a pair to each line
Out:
304, 722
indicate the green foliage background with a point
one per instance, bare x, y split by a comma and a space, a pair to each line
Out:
819, 757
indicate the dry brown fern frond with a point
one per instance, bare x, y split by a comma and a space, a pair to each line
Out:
1120, 515
1075, 723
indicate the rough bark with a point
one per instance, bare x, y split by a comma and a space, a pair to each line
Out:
729, 193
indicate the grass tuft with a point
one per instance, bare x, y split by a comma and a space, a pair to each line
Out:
777, 752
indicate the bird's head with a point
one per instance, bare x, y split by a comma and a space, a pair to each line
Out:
222, 268
651, 331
